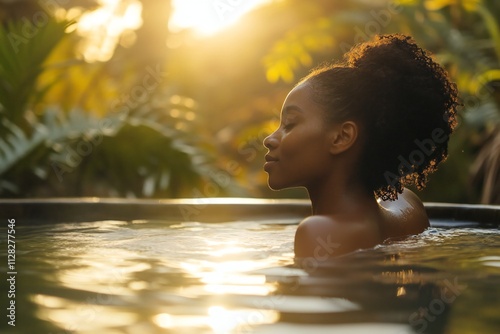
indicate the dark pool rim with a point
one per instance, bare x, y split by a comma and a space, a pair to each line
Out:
56, 210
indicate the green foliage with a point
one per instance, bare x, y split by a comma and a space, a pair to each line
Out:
79, 154
295, 50
25, 157
464, 36
141, 148
165, 146
22, 58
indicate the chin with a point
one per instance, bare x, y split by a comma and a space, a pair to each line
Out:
274, 185
277, 185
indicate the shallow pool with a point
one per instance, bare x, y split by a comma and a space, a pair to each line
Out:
152, 276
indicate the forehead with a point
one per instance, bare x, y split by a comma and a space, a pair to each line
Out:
300, 98
301, 93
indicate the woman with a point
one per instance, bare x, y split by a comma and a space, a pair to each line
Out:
354, 134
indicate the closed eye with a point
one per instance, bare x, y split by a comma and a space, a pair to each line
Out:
288, 126
289, 119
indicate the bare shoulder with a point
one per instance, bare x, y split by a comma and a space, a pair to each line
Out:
405, 216
323, 237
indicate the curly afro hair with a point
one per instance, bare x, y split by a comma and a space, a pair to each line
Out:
404, 102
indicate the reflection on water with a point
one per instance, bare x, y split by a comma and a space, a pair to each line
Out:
240, 277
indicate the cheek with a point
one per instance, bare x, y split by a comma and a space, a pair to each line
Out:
309, 142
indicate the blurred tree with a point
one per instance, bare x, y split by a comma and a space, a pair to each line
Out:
152, 36
133, 139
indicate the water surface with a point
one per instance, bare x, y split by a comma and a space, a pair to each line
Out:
240, 277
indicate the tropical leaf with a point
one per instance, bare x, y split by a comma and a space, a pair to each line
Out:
76, 153
482, 114
295, 50
29, 153
16, 145
490, 21
23, 50
483, 80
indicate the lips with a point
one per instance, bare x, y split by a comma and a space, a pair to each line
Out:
270, 158
270, 161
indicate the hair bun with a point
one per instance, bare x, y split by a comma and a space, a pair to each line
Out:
392, 57
410, 97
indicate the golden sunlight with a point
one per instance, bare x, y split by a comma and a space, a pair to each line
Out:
219, 319
209, 17
104, 27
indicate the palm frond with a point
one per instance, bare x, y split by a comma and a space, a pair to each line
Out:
130, 156
22, 54
47, 135
16, 145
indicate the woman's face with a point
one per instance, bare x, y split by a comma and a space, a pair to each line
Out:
299, 149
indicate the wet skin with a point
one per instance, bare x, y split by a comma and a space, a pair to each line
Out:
307, 151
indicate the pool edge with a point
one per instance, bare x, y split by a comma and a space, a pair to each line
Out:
51, 210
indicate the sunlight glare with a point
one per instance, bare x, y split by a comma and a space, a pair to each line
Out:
103, 27
219, 319
225, 321
209, 17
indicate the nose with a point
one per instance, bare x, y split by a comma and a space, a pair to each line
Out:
271, 141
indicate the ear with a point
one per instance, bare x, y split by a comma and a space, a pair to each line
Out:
343, 137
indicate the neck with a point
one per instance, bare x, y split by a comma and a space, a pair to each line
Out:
340, 196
